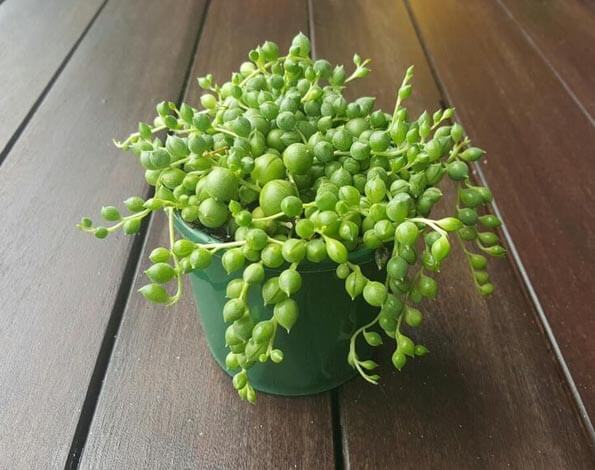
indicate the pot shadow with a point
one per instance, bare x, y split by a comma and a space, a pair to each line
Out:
443, 404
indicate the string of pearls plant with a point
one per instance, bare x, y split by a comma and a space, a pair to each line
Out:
282, 168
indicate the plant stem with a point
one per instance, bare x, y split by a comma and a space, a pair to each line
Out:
178, 293
455, 150
431, 223
353, 354
113, 228
467, 254
136, 135
225, 131
394, 153
214, 247
270, 217
274, 240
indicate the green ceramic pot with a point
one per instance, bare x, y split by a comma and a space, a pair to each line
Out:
315, 352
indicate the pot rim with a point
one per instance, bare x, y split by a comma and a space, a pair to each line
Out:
360, 256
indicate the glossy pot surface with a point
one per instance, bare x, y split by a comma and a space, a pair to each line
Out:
315, 351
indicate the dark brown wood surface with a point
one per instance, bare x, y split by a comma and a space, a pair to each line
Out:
492, 393
383, 34
563, 34
489, 395
35, 38
59, 286
165, 402
540, 166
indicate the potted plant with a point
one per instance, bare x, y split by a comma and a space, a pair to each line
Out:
302, 219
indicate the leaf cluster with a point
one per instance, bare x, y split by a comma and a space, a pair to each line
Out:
278, 160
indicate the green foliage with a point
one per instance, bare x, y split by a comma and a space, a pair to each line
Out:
279, 160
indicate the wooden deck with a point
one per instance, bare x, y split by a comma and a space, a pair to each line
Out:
93, 377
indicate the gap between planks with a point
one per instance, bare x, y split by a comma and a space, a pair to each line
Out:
515, 259
37, 103
548, 63
341, 458
124, 292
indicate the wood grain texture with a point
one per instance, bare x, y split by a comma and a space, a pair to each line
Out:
35, 38
363, 28
563, 32
233, 28
59, 285
540, 171
165, 403
489, 395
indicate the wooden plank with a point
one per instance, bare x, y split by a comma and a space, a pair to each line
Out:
489, 395
364, 28
563, 33
36, 37
541, 175
165, 403
59, 286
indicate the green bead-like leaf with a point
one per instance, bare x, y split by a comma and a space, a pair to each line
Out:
263, 331
276, 356
131, 226
399, 360
372, 338
233, 310
450, 224
160, 273
405, 345
286, 313
336, 250
355, 283
240, 380
375, 293
290, 281
368, 365
440, 249
110, 213
154, 293
254, 273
